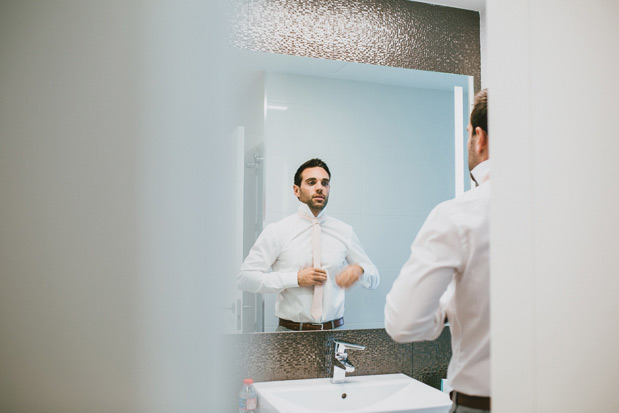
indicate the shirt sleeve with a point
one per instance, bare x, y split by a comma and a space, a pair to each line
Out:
356, 255
256, 275
415, 307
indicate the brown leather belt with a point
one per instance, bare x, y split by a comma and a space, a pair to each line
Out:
474, 402
329, 325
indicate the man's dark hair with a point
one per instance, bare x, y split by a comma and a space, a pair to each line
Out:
479, 115
312, 163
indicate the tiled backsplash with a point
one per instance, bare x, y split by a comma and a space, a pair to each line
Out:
304, 355
382, 32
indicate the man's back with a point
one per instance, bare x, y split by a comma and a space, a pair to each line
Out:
468, 311
447, 276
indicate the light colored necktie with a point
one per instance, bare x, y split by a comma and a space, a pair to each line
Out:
316, 311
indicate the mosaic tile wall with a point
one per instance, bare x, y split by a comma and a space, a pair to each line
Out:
431, 358
306, 355
398, 33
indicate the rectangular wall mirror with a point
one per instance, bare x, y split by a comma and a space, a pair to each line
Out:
394, 140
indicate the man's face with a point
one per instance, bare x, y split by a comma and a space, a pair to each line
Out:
314, 189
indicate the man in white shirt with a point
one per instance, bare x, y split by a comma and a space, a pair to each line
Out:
308, 259
447, 277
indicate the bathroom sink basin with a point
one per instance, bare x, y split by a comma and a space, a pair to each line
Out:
384, 393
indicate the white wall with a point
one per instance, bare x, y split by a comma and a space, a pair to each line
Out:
111, 172
553, 92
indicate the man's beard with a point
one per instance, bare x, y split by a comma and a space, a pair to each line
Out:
316, 206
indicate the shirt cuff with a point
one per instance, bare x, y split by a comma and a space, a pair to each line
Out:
290, 279
364, 280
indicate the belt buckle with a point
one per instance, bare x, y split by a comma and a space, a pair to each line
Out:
322, 326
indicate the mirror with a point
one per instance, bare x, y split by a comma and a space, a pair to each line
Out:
394, 140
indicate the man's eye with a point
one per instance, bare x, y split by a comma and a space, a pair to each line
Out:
311, 182
325, 183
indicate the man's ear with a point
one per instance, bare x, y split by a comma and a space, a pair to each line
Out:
481, 141
296, 190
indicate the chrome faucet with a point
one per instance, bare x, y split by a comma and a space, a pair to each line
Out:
339, 374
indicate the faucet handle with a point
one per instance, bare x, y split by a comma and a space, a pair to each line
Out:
342, 357
342, 346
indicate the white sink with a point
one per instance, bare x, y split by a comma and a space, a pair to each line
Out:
384, 393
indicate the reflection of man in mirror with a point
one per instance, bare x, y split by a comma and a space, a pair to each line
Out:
308, 259
447, 276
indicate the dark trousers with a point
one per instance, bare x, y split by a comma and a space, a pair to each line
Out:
462, 409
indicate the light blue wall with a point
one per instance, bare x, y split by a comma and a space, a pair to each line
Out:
391, 153
117, 183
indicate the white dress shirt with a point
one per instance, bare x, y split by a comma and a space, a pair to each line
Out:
452, 245
285, 247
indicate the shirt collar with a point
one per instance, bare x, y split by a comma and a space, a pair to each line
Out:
305, 211
481, 173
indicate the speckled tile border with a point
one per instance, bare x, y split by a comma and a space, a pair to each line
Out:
431, 359
305, 355
397, 33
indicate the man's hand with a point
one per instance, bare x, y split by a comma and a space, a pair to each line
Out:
349, 275
311, 276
